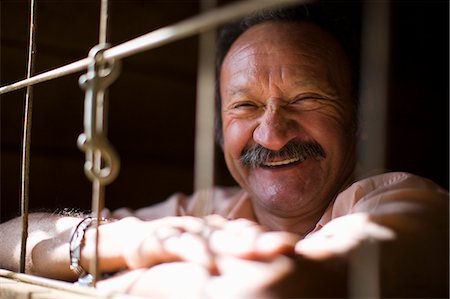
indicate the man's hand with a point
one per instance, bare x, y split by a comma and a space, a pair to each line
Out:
131, 243
237, 277
204, 256
343, 234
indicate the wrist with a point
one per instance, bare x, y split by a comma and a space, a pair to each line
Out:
113, 237
80, 258
75, 245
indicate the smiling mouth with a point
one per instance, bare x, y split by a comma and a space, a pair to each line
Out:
283, 162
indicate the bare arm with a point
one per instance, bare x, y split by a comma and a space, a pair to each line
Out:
131, 243
42, 227
413, 236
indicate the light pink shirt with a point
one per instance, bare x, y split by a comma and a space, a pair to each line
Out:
365, 195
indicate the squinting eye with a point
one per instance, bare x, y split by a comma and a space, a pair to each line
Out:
305, 99
244, 105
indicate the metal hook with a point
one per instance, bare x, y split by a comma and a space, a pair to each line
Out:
102, 161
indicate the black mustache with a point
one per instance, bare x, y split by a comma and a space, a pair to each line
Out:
258, 155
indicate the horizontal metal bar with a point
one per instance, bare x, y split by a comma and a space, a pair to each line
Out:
67, 69
159, 37
58, 285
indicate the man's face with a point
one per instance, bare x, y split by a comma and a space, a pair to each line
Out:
282, 84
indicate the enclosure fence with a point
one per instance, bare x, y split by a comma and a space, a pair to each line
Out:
102, 164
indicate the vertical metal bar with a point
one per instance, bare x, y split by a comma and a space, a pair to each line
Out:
364, 263
103, 29
102, 162
26, 141
98, 189
98, 196
374, 86
204, 135
364, 271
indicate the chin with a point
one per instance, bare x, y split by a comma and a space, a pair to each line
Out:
282, 202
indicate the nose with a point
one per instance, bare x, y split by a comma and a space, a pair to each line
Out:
275, 128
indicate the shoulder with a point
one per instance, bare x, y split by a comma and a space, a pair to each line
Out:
368, 194
396, 180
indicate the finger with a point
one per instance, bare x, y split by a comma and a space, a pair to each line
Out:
249, 241
342, 235
191, 248
158, 281
247, 278
273, 243
186, 224
106, 213
216, 221
238, 244
122, 213
242, 225
167, 244
322, 248
146, 251
172, 280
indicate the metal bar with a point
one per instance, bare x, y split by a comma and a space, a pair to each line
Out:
58, 285
98, 188
364, 265
98, 202
364, 271
26, 141
204, 120
102, 162
103, 29
159, 37
67, 69
374, 87
204, 135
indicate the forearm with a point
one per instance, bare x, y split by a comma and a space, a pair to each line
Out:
412, 235
43, 229
48, 244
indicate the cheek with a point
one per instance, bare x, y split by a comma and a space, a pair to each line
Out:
337, 118
237, 134
327, 130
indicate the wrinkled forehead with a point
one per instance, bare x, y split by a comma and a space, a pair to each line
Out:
301, 45
301, 36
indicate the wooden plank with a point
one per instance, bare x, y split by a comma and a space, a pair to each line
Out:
11, 289
23, 286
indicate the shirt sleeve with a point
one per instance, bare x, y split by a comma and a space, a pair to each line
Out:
386, 192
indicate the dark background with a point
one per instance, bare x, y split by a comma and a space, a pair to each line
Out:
152, 104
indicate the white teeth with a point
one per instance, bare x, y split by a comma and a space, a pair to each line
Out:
283, 162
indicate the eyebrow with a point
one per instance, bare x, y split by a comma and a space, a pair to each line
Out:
239, 90
327, 89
